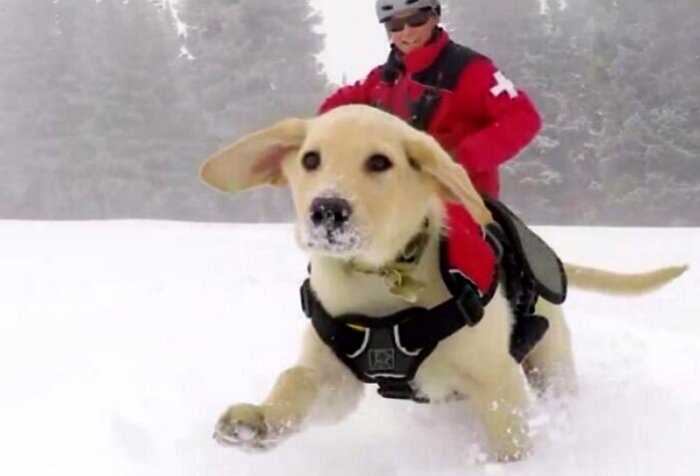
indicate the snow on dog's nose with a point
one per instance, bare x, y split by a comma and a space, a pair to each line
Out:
329, 227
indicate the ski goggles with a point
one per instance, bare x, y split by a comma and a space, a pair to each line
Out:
397, 24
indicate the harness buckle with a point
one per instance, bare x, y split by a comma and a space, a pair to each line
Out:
496, 238
470, 306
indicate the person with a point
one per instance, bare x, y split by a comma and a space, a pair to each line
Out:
478, 116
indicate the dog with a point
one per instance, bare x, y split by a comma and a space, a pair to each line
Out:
364, 183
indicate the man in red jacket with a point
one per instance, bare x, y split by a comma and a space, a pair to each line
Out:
459, 97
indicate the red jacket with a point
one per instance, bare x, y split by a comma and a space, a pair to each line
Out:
482, 121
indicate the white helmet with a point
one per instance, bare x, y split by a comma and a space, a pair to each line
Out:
387, 8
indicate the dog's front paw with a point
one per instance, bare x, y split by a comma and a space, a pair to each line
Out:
243, 426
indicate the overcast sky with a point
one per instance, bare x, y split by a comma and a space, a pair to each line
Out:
355, 42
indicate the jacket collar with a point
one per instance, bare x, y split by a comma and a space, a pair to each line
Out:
421, 58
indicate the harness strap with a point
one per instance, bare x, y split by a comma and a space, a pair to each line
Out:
336, 334
443, 320
418, 327
443, 74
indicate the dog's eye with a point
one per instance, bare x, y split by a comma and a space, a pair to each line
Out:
311, 161
378, 163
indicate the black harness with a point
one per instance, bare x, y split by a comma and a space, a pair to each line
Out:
389, 350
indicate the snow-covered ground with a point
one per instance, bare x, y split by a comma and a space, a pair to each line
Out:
122, 342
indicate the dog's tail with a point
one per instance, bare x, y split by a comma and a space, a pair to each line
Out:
621, 283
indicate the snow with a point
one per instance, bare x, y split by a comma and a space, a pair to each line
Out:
121, 343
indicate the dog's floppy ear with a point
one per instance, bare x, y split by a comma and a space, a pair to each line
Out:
256, 159
453, 179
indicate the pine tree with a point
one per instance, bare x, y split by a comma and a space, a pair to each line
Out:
103, 117
254, 64
612, 80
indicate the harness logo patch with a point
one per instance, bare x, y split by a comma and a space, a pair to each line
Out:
382, 359
503, 85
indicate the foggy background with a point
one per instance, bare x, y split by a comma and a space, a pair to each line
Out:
108, 108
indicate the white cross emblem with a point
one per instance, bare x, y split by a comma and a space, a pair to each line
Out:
503, 84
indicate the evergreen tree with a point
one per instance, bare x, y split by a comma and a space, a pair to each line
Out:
254, 64
34, 69
104, 118
611, 77
105, 115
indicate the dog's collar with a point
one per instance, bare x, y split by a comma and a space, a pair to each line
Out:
397, 275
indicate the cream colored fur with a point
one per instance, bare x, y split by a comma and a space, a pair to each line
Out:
388, 209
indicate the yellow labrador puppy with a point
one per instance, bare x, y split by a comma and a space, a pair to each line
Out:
381, 179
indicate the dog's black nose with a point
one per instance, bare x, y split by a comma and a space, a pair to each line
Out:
330, 212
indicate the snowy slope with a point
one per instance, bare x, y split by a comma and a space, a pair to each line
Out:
121, 343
